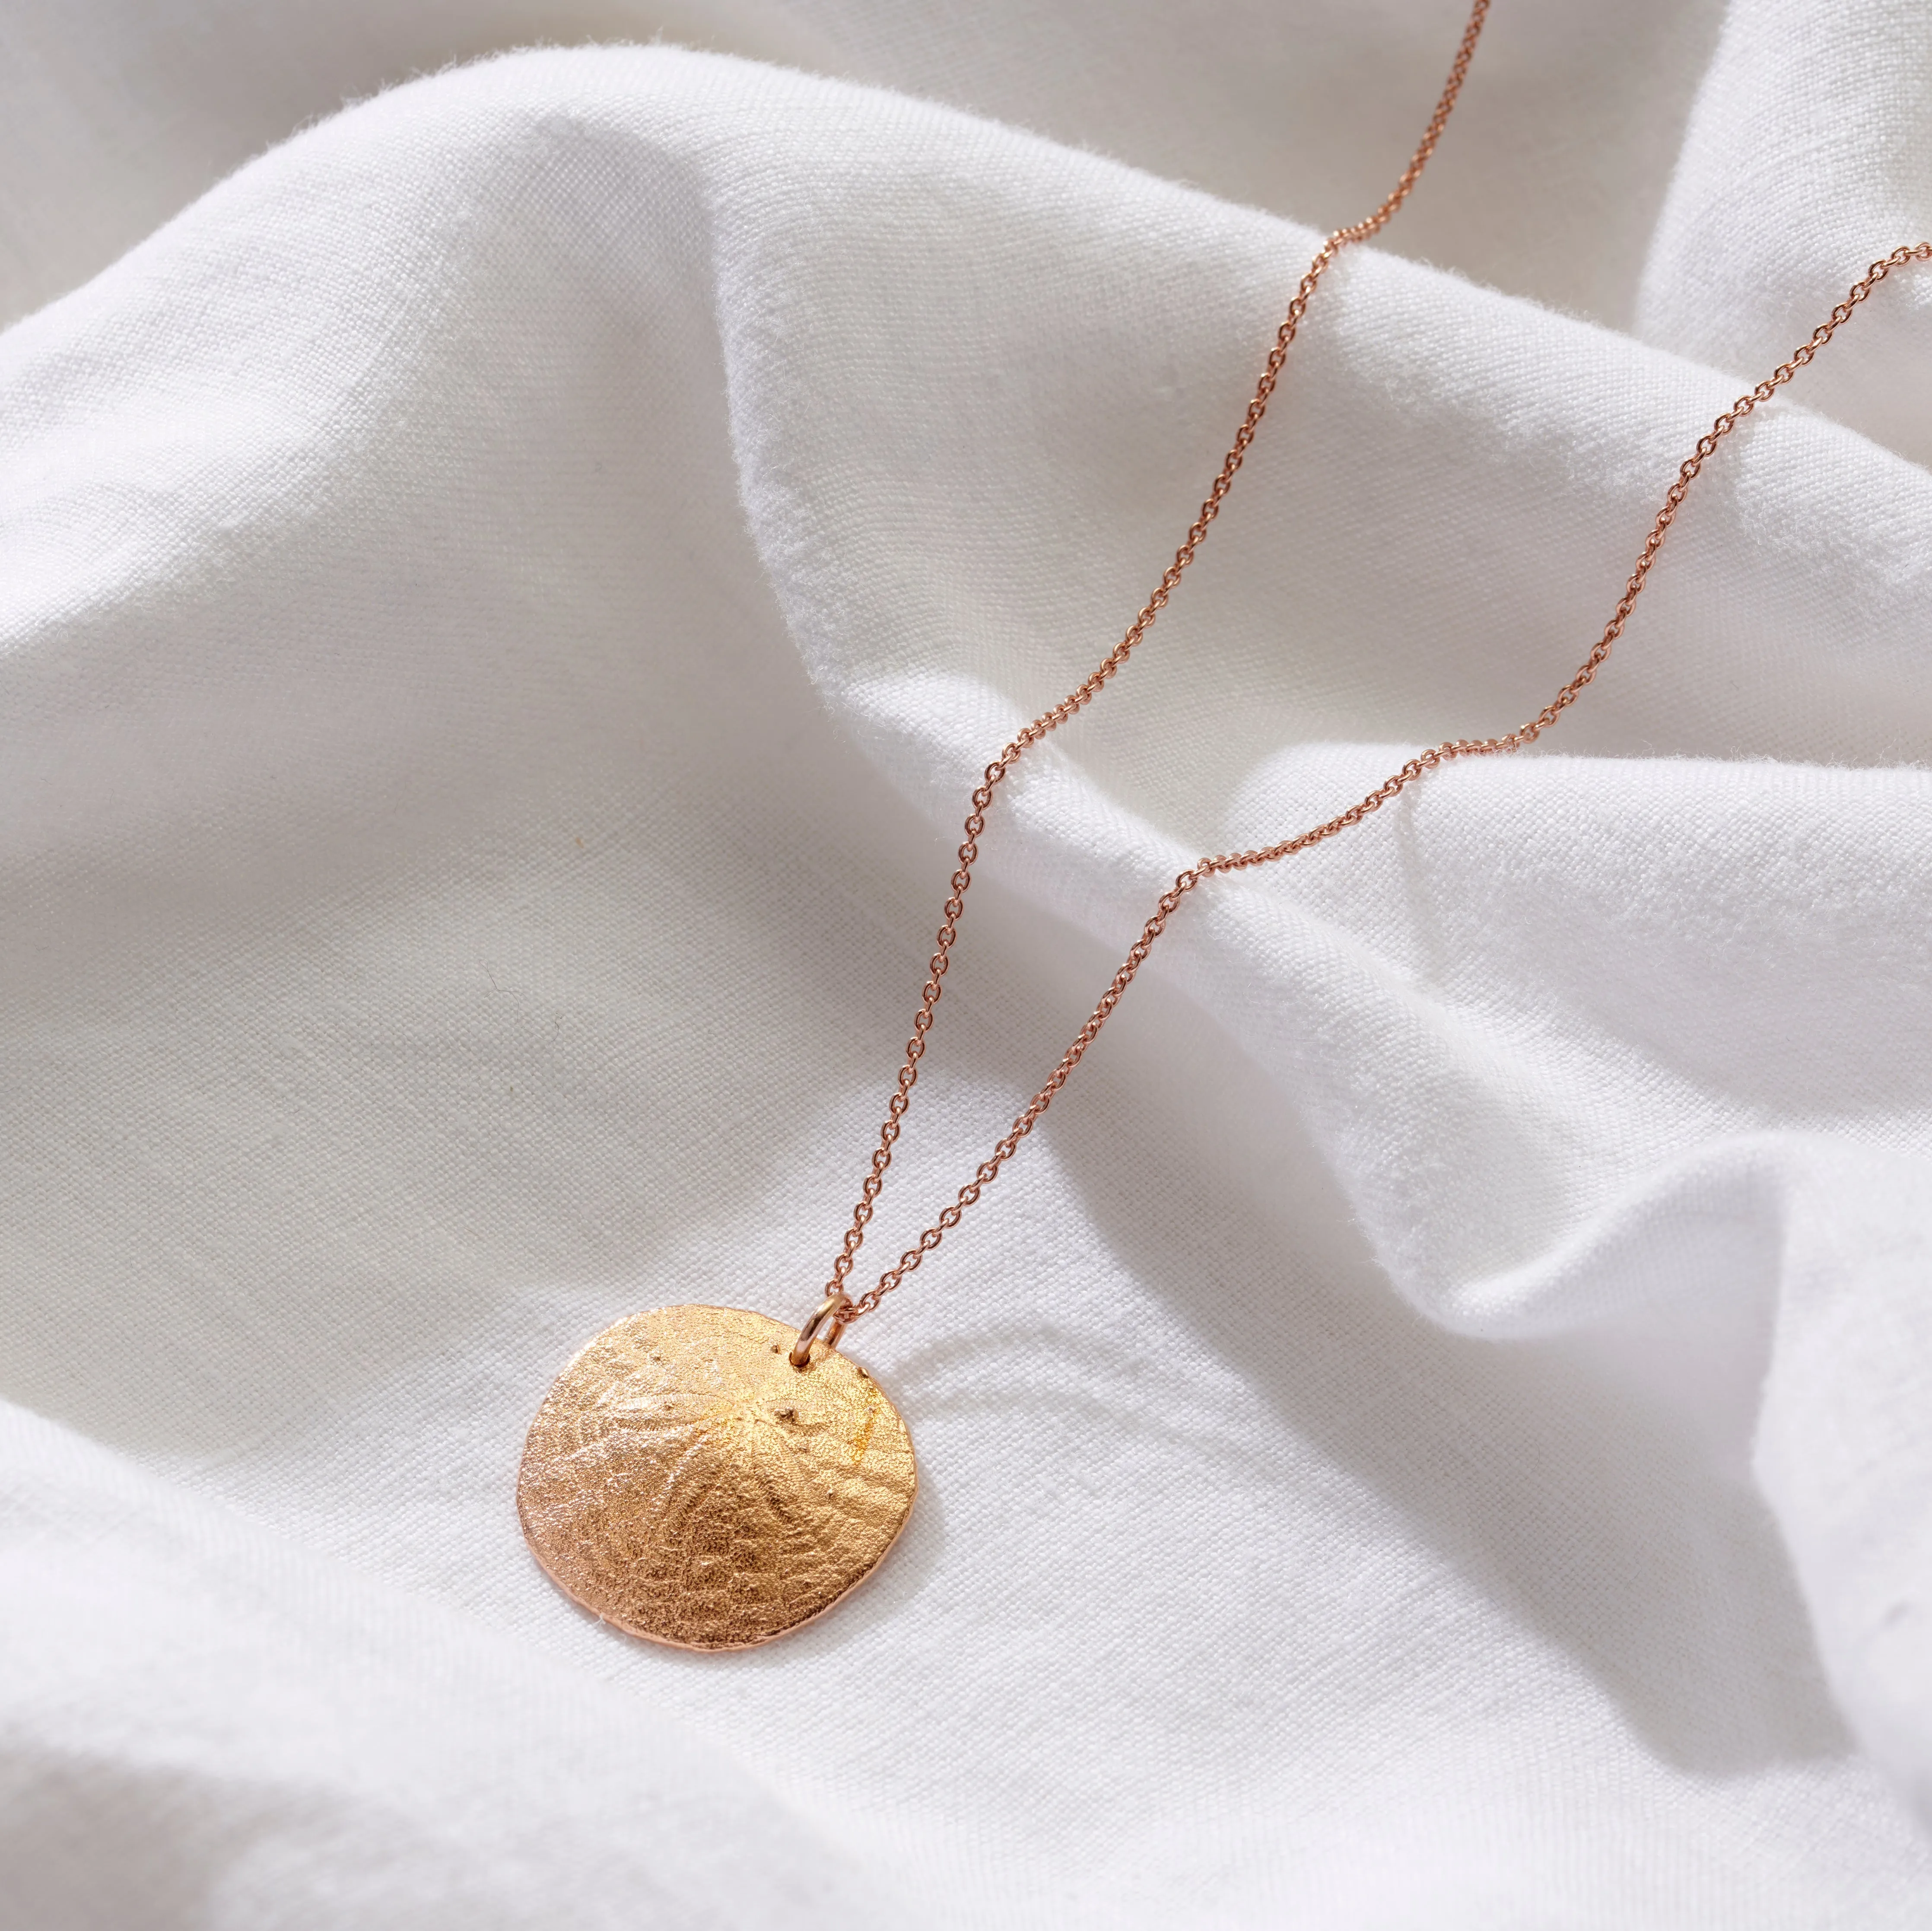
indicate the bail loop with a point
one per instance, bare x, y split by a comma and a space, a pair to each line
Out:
827, 1325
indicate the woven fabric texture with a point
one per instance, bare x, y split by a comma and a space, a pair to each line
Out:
505, 588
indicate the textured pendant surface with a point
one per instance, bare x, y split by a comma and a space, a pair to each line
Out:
685, 1482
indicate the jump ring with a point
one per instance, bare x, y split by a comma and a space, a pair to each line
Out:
828, 1311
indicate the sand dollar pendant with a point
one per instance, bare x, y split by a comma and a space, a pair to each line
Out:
684, 1480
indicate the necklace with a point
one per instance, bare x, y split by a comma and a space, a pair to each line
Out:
711, 1478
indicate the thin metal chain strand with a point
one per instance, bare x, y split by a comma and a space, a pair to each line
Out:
1078, 700
1398, 781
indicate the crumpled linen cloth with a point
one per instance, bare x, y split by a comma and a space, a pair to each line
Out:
502, 601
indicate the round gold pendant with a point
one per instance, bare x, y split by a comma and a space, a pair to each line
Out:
685, 1482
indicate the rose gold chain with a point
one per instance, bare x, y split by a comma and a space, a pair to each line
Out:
1673, 500
1397, 783
840, 1308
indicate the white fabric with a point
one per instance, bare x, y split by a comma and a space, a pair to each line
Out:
501, 604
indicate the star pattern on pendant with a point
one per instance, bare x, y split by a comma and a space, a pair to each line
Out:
683, 1481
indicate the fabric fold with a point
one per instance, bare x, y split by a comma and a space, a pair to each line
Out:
501, 604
